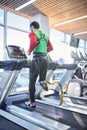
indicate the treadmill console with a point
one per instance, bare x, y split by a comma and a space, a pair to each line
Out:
16, 52
58, 75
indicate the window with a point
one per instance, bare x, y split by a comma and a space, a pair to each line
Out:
56, 36
17, 21
1, 16
81, 46
86, 45
68, 38
86, 48
17, 38
81, 43
1, 42
21, 39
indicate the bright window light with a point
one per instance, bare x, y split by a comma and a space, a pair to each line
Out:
24, 5
69, 21
1, 18
80, 33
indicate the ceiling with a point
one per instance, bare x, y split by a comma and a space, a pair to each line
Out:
58, 11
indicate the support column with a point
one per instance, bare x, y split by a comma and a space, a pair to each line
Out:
43, 21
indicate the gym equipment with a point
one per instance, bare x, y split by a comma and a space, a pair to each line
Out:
66, 75
60, 114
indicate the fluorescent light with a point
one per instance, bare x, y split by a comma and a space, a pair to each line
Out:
69, 21
24, 5
80, 33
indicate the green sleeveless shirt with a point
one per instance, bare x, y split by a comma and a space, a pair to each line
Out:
42, 42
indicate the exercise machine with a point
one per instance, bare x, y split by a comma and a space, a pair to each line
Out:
48, 114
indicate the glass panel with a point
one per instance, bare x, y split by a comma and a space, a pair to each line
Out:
17, 21
22, 83
86, 48
17, 38
81, 47
1, 42
4, 78
1, 16
68, 38
81, 43
56, 35
61, 51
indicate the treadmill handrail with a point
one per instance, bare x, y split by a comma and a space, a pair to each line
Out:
54, 66
14, 64
67, 106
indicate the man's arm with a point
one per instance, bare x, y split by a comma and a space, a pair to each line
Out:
49, 46
33, 42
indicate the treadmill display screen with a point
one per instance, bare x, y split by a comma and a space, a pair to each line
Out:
16, 52
58, 74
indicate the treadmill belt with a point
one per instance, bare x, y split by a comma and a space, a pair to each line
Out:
5, 124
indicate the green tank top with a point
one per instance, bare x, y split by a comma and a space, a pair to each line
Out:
42, 42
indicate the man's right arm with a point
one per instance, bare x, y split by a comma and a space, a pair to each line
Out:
33, 42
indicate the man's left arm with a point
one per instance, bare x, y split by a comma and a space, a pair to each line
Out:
49, 46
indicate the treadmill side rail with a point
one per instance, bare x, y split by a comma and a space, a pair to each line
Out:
22, 123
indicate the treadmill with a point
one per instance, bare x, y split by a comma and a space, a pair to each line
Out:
46, 115
64, 74
7, 120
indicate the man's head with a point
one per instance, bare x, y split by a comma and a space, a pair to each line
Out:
34, 25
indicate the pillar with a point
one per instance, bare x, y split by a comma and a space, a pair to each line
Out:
43, 21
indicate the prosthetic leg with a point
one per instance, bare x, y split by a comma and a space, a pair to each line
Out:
49, 89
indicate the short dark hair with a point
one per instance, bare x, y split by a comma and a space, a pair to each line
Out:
35, 24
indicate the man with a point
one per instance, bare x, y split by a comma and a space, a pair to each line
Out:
40, 45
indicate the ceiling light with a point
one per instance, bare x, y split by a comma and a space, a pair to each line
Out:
69, 21
24, 5
80, 33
